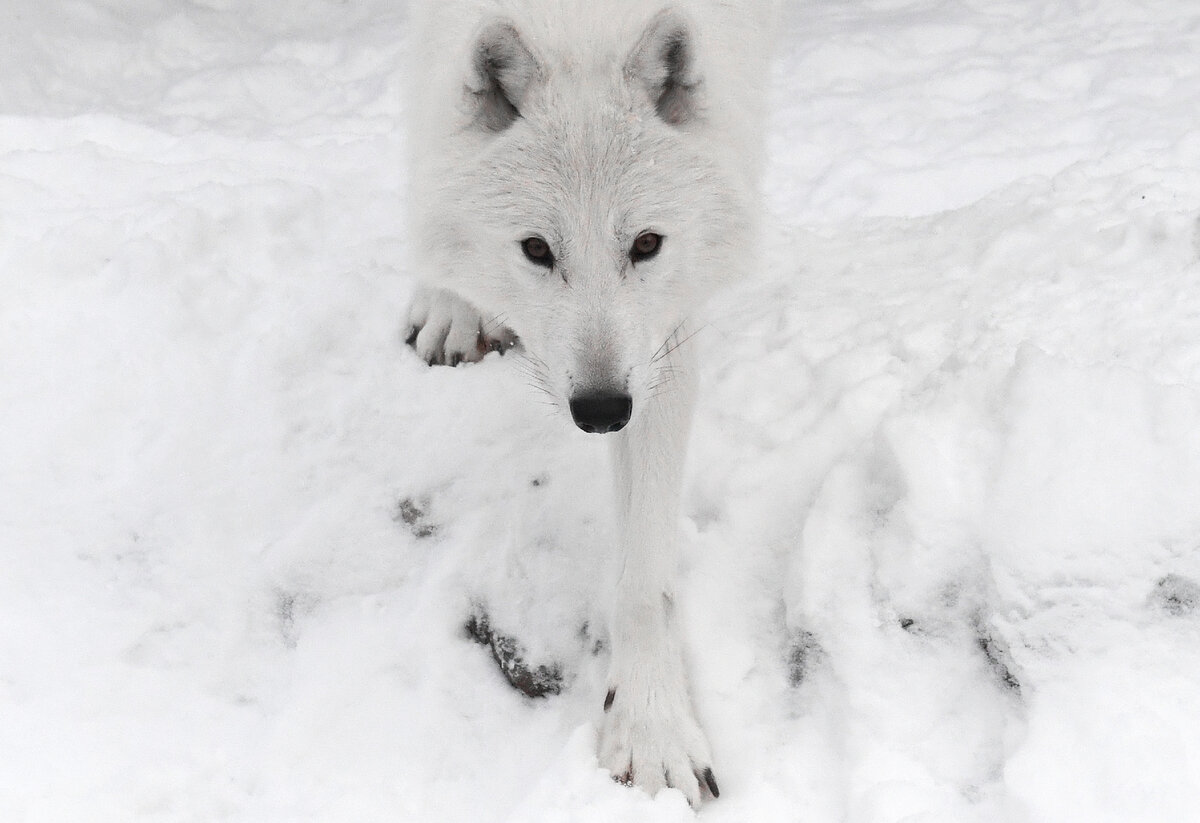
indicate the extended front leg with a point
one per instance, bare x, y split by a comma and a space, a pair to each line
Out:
444, 329
650, 735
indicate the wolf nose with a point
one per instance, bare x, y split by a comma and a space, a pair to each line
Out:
601, 413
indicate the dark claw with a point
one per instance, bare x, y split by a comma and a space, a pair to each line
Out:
411, 340
711, 782
608, 699
455, 359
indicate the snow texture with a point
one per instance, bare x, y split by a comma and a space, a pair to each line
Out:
943, 501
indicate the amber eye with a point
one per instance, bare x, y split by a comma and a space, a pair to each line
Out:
645, 246
538, 251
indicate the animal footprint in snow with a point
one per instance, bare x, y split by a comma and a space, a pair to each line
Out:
415, 515
1176, 595
509, 654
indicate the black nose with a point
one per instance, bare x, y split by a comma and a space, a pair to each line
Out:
601, 413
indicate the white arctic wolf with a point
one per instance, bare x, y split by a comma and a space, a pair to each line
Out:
585, 173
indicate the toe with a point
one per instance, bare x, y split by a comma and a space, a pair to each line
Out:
430, 344
462, 344
499, 340
681, 775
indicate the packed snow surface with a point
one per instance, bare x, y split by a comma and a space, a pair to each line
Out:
943, 505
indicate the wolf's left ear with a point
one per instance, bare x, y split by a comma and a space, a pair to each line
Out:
663, 63
503, 69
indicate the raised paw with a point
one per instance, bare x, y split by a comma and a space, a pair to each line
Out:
446, 330
652, 740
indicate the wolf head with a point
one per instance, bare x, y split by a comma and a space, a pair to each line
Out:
590, 207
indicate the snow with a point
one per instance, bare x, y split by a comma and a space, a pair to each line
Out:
943, 547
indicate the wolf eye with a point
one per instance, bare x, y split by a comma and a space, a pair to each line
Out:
538, 251
645, 246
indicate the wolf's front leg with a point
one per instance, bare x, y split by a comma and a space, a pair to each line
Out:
445, 329
650, 735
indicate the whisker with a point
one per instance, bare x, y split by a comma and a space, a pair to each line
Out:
495, 321
533, 360
660, 391
659, 382
534, 370
658, 353
667, 340
680, 343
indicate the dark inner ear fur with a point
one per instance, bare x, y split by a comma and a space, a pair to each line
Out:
504, 69
663, 64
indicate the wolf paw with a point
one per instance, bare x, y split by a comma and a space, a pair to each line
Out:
446, 330
652, 740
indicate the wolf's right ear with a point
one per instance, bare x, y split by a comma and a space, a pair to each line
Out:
664, 64
502, 72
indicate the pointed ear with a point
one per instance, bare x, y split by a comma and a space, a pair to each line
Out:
663, 63
502, 72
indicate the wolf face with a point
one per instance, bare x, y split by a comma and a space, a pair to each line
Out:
588, 215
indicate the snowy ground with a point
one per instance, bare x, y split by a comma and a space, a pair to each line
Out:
943, 514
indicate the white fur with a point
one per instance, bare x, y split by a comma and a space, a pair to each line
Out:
586, 150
